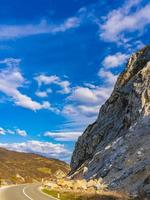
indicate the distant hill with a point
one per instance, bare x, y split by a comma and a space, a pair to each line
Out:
16, 167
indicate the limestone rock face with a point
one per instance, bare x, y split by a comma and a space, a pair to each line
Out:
117, 146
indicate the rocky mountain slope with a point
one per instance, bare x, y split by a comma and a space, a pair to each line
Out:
117, 146
18, 167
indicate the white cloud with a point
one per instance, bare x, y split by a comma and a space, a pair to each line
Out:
26, 102
83, 94
69, 110
2, 131
90, 85
84, 110
139, 44
89, 111
115, 60
10, 131
87, 98
78, 112
63, 136
11, 80
85, 101
49, 80
70, 23
108, 77
11, 62
41, 93
65, 85
79, 118
21, 132
124, 20
18, 31
92, 94
47, 149
17, 131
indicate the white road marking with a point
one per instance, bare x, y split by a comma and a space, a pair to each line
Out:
26, 194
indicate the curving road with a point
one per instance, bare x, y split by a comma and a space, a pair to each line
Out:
23, 192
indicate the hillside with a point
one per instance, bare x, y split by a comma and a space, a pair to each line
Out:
117, 146
18, 167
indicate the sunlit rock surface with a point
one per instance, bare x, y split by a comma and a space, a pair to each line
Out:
117, 146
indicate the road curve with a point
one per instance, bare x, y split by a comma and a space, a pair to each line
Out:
23, 192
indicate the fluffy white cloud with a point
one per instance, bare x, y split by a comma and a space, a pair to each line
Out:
11, 62
47, 149
65, 85
92, 95
124, 20
115, 60
27, 102
87, 98
89, 111
79, 117
11, 80
69, 110
2, 131
10, 131
41, 93
85, 101
83, 94
48, 80
108, 77
21, 132
63, 136
17, 131
82, 111
17, 31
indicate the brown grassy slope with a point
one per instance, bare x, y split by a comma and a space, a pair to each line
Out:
28, 166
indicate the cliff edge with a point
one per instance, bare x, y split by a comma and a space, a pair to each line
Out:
117, 146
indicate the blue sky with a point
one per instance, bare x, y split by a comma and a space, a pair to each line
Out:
59, 61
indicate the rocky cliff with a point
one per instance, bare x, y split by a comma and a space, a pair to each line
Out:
117, 146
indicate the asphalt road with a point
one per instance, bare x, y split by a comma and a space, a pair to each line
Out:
23, 192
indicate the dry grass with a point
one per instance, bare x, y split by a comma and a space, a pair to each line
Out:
44, 170
102, 195
29, 166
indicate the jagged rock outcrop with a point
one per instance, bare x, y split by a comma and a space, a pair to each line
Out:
117, 146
